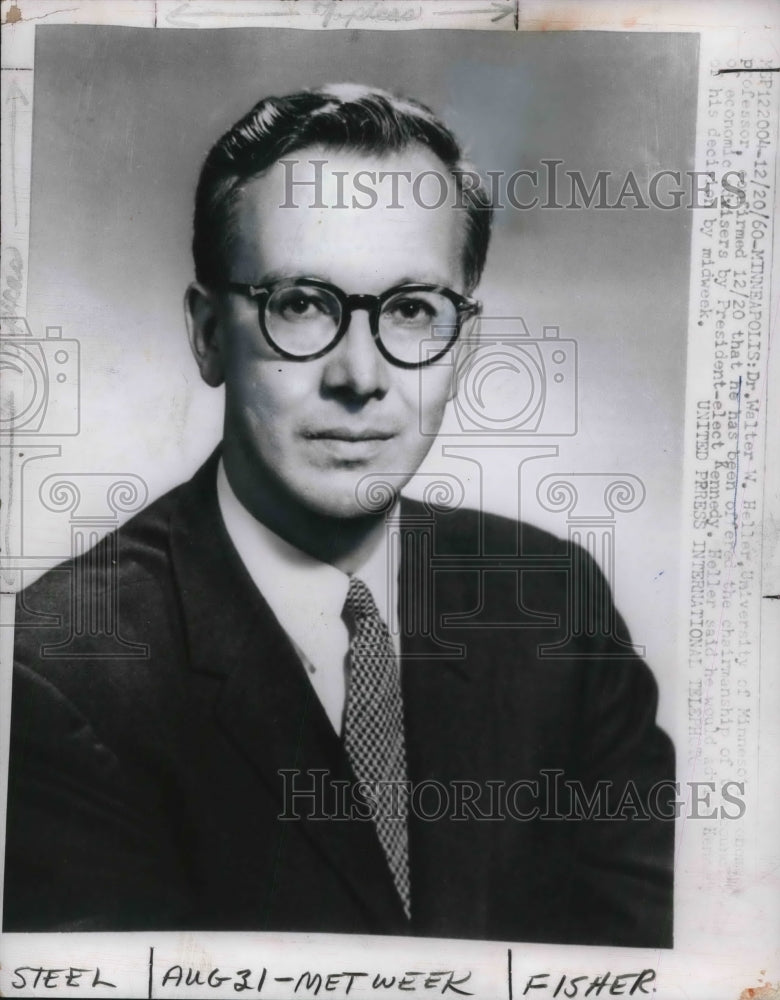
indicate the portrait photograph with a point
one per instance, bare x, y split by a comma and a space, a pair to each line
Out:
383, 420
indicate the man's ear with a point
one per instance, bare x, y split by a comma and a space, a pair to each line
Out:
200, 313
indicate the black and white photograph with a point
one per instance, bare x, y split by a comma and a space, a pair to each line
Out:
362, 577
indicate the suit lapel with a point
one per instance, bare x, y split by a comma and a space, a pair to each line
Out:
266, 705
446, 706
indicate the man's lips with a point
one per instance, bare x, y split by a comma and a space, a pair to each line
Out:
349, 434
348, 445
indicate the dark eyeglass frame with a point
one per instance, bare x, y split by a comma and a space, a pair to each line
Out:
373, 304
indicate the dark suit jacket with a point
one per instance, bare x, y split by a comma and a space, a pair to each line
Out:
144, 779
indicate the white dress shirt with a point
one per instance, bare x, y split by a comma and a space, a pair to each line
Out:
307, 596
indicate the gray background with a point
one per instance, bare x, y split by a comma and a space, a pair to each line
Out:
124, 117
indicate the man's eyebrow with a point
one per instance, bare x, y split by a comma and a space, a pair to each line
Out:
286, 274
290, 273
426, 279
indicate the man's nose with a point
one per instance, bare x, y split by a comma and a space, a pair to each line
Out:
355, 364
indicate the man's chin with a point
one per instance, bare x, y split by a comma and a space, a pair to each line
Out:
370, 495
372, 503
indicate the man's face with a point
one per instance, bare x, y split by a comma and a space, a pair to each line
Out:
316, 428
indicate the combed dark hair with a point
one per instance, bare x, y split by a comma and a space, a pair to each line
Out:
342, 116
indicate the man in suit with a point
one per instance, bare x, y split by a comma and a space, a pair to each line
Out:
312, 688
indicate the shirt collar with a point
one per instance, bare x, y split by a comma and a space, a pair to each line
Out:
306, 595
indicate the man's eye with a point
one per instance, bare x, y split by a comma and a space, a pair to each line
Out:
296, 306
300, 304
411, 311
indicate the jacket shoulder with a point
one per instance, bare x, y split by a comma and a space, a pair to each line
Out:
467, 530
130, 554
135, 554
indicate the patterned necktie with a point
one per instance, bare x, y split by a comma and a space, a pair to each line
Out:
374, 726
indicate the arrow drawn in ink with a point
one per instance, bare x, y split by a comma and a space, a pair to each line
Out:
178, 16
499, 8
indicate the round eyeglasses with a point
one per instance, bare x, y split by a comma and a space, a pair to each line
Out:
413, 324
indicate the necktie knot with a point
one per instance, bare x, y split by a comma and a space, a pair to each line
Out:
360, 602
